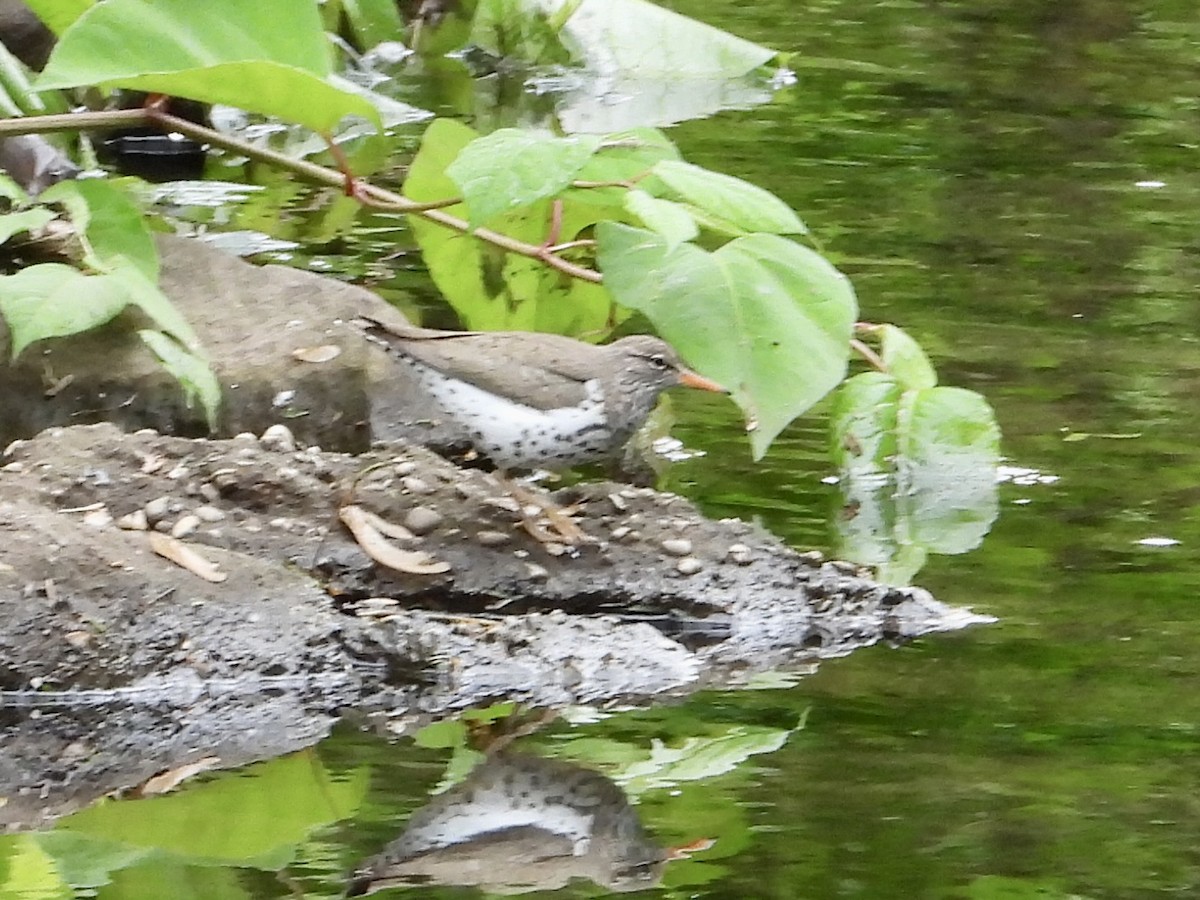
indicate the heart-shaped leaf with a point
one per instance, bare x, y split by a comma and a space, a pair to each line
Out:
768, 318
740, 203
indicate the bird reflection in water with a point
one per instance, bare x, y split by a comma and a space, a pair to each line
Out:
522, 823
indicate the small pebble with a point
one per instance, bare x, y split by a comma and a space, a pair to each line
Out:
677, 546
134, 521
246, 437
178, 473
422, 519
620, 531
278, 437
492, 538
536, 572
415, 485
554, 548
225, 481
813, 556
689, 565
376, 605
209, 514
14, 467
209, 492
619, 502
98, 518
407, 467
185, 526
157, 509
78, 639
740, 554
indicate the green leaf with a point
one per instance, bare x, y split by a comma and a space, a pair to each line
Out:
218, 51
633, 37
59, 15
905, 359
281, 803
27, 870
512, 168
627, 155
67, 195
700, 758
863, 423
518, 30
26, 220
950, 423
145, 294
669, 219
86, 861
919, 469
13, 192
769, 319
954, 444
738, 202
52, 300
191, 370
112, 223
373, 21
488, 288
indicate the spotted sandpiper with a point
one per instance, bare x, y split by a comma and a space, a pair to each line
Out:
531, 400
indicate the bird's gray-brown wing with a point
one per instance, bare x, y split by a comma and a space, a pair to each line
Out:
545, 371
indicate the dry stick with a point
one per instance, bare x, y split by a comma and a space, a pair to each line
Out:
301, 167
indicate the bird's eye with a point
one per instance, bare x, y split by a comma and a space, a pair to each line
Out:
659, 361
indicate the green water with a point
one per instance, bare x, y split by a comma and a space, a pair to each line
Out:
1017, 184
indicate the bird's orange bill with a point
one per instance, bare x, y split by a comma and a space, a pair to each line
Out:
688, 378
